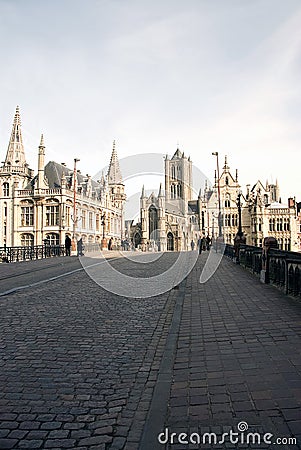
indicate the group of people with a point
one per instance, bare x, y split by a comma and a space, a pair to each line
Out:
204, 243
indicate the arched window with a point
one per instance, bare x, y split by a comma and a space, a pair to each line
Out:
227, 180
153, 222
27, 240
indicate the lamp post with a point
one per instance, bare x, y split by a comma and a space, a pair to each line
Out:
220, 234
76, 160
239, 238
103, 223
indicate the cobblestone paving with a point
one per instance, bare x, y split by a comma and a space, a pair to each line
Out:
237, 359
78, 365
82, 368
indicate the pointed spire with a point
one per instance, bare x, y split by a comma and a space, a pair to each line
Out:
102, 180
41, 182
160, 191
15, 153
200, 191
114, 173
142, 192
226, 167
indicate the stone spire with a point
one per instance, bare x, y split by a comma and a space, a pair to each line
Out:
102, 180
160, 191
15, 155
226, 167
41, 184
114, 173
142, 192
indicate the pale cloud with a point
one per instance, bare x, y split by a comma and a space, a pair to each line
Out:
212, 75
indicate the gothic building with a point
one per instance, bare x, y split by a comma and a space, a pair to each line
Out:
172, 219
57, 201
263, 213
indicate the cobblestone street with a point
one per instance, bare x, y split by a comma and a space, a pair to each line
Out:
83, 368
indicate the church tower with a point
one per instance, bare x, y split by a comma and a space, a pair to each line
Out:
116, 186
178, 180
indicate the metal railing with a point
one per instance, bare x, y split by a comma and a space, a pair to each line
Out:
283, 267
16, 254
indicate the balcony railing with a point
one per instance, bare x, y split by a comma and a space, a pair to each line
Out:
283, 268
29, 193
16, 254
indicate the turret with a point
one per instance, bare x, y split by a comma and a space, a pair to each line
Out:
41, 183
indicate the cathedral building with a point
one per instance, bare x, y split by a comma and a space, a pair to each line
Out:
57, 201
170, 220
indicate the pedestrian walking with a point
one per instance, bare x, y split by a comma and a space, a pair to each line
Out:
192, 245
80, 247
68, 245
110, 244
200, 245
208, 242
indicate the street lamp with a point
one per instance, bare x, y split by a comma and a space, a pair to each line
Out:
103, 223
76, 160
239, 238
220, 234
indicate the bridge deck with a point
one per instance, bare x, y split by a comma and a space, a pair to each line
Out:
83, 368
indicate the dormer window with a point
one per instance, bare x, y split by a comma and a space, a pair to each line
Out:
227, 181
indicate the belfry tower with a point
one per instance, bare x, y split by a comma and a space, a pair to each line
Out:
178, 180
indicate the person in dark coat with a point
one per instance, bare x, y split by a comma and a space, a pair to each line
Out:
208, 242
110, 244
80, 247
68, 245
200, 245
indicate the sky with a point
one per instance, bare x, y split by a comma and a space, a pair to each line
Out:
204, 75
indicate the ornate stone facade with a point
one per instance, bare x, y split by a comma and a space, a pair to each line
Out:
58, 201
171, 220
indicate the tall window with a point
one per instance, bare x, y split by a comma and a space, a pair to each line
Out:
52, 215
97, 222
26, 216
68, 215
260, 226
27, 240
84, 215
5, 189
53, 239
90, 220
153, 222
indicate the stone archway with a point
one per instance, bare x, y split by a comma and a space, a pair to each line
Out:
170, 242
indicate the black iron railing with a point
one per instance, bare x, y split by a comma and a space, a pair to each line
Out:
283, 267
15, 254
